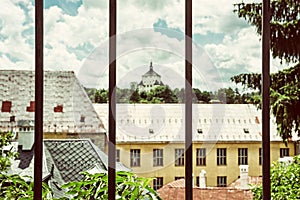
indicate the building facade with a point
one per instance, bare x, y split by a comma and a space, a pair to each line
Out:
150, 140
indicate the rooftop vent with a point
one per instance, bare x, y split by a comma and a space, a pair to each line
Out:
199, 130
151, 131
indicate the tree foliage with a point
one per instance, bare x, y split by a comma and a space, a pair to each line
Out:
284, 26
285, 181
285, 45
95, 186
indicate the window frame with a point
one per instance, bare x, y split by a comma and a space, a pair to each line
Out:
284, 152
135, 154
242, 156
179, 157
201, 157
158, 182
221, 181
221, 156
158, 157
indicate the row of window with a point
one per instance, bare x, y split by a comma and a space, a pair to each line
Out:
158, 182
158, 157
123, 121
7, 105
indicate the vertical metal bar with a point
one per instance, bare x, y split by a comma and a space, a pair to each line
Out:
112, 100
188, 102
39, 84
266, 98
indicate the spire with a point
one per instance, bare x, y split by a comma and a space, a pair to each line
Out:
151, 67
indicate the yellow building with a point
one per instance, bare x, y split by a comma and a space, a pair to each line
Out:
150, 140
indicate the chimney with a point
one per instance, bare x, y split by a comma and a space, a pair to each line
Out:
202, 179
244, 178
26, 134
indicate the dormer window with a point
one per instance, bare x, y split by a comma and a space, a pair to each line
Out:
246, 130
82, 118
199, 131
6, 106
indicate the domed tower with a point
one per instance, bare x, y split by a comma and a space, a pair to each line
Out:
150, 80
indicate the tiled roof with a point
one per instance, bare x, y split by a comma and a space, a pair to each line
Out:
67, 107
176, 191
211, 122
71, 157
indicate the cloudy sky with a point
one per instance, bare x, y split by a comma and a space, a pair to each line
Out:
76, 38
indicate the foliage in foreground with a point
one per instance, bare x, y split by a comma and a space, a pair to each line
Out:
95, 186
15, 187
285, 181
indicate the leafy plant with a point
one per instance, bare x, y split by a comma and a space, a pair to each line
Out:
14, 186
95, 186
285, 181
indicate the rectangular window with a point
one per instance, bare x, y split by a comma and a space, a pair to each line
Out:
197, 181
221, 156
117, 155
243, 156
158, 182
179, 157
158, 157
260, 156
6, 106
201, 157
221, 181
284, 152
135, 157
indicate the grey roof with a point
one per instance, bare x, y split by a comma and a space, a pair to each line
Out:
62, 92
65, 159
74, 156
165, 122
151, 71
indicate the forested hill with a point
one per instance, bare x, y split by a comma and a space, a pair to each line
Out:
164, 94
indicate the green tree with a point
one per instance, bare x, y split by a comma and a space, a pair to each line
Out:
101, 96
135, 97
12, 186
285, 45
95, 186
163, 94
285, 184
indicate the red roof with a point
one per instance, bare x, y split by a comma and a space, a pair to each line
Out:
176, 191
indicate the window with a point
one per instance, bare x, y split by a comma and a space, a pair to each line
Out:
201, 156
31, 107
158, 183
197, 181
221, 181
58, 108
246, 130
6, 106
117, 155
221, 156
243, 156
260, 156
179, 157
199, 130
158, 157
135, 157
284, 152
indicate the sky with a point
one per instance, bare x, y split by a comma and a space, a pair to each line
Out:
76, 38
